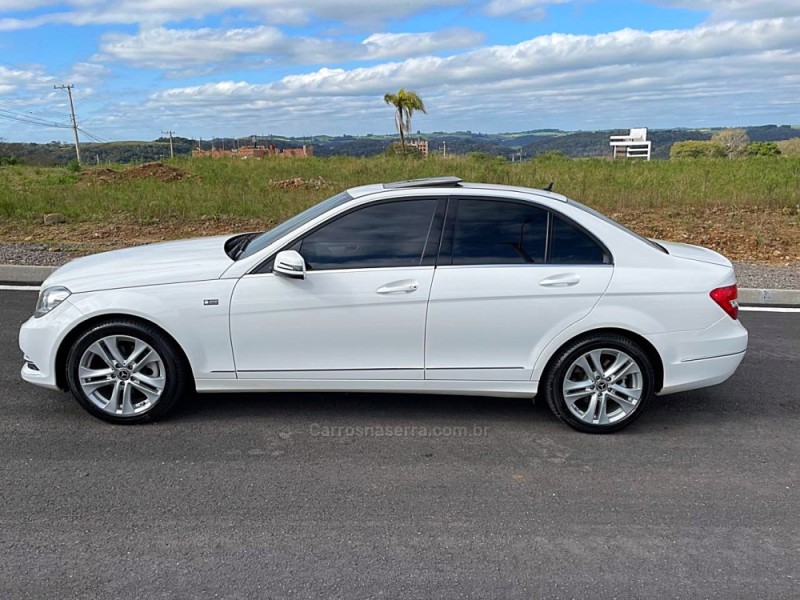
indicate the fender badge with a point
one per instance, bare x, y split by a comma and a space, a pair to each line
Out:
211, 302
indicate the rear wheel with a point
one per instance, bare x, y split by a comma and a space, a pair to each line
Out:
599, 384
126, 372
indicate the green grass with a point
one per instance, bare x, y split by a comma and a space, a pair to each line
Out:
236, 189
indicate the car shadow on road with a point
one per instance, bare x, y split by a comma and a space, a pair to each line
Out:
373, 405
679, 410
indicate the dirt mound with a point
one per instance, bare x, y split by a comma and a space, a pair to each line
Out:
153, 170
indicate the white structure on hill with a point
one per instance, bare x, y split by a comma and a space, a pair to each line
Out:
635, 144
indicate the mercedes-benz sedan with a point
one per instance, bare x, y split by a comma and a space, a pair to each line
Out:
430, 286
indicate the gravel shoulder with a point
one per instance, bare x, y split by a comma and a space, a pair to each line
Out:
749, 275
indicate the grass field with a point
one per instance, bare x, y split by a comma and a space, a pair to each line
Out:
740, 206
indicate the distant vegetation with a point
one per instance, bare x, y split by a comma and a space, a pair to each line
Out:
512, 146
730, 143
696, 149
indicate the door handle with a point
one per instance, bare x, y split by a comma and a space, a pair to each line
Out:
399, 287
562, 280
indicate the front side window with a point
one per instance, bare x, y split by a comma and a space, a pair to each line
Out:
263, 240
390, 234
492, 232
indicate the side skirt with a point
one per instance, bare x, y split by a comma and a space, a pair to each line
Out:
503, 389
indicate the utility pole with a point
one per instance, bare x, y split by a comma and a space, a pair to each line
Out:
169, 133
74, 121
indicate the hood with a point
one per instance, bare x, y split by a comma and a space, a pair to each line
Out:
690, 252
154, 264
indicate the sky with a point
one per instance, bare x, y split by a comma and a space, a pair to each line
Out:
212, 68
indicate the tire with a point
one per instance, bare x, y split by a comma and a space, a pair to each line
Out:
599, 403
126, 372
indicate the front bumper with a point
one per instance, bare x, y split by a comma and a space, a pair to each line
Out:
697, 359
39, 340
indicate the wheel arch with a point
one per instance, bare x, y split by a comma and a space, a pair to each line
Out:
83, 326
648, 348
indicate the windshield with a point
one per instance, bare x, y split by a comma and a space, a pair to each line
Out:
599, 215
268, 237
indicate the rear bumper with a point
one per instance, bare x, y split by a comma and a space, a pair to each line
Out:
696, 374
697, 359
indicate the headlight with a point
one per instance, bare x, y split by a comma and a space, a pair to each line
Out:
49, 298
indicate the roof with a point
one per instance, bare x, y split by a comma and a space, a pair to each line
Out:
448, 182
426, 182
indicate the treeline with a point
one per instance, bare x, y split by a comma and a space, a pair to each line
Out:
527, 144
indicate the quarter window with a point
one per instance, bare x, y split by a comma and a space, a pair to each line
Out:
491, 232
571, 246
391, 234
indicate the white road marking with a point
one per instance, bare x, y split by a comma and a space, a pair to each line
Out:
769, 309
20, 288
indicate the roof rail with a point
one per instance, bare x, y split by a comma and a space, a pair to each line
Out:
426, 182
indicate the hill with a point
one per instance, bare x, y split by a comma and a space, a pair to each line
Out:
524, 144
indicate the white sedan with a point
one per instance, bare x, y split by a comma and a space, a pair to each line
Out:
433, 286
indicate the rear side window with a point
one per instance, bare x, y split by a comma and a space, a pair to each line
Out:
571, 246
492, 232
392, 234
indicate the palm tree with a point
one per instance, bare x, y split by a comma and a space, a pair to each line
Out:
406, 102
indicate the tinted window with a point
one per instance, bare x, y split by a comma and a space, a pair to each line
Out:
392, 234
571, 246
273, 235
489, 232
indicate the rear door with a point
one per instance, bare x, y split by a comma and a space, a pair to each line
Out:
510, 275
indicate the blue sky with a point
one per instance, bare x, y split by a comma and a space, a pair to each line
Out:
206, 68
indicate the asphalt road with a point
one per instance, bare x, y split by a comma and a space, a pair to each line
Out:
244, 497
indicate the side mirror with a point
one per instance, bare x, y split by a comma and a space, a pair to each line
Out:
290, 263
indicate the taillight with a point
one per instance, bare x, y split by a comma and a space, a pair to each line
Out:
726, 298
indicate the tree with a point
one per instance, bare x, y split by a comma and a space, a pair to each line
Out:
697, 149
406, 102
733, 140
762, 149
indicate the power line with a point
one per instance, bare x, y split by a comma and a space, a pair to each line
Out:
30, 120
74, 121
37, 114
92, 136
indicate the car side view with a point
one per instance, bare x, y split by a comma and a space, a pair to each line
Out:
432, 286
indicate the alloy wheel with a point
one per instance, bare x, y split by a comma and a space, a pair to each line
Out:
122, 375
603, 386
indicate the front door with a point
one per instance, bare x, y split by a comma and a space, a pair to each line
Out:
360, 311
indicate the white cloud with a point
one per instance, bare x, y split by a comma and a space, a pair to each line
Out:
398, 45
676, 75
738, 9
170, 49
162, 48
533, 10
556, 53
158, 12
13, 79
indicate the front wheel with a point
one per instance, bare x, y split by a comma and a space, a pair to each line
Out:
599, 384
126, 372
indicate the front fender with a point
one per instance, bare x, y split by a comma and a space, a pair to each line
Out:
186, 311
